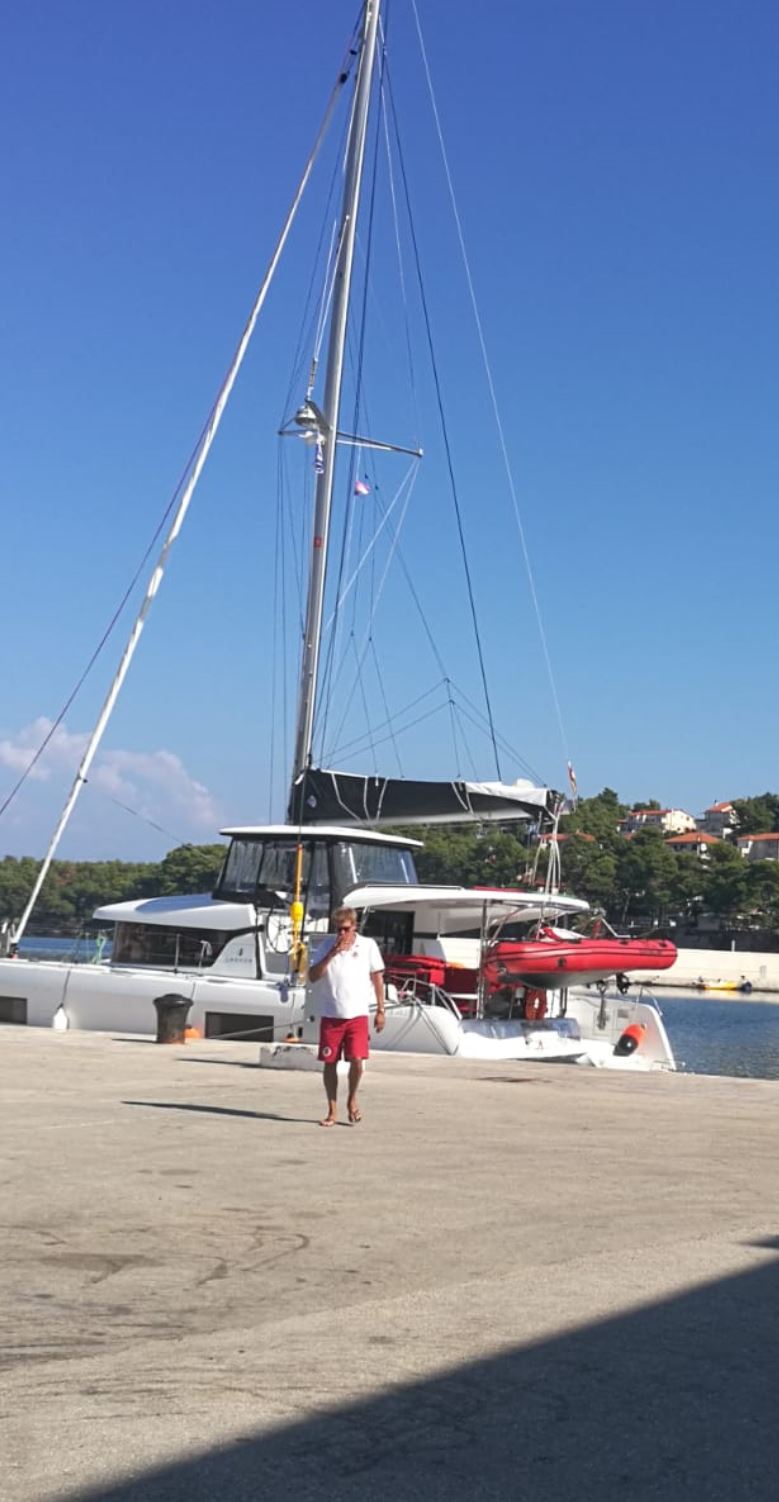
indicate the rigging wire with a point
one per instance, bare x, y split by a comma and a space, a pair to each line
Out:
401, 267
358, 746
445, 432
480, 723
347, 746
144, 818
493, 394
458, 730
369, 553
111, 624
197, 456
380, 681
366, 710
377, 594
309, 320
324, 694
278, 564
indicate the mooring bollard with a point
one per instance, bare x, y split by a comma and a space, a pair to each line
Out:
172, 1013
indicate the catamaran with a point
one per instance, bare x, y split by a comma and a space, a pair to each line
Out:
238, 954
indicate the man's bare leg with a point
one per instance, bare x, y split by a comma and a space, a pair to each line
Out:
355, 1075
330, 1075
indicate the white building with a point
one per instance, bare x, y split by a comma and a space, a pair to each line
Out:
667, 820
759, 847
694, 842
720, 819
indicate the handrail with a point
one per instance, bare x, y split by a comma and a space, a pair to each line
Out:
411, 986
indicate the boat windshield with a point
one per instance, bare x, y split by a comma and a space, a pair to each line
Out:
263, 872
258, 870
260, 865
357, 862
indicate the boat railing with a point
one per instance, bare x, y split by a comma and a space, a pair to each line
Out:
414, 989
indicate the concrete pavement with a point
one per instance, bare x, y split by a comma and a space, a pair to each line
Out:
508, 1281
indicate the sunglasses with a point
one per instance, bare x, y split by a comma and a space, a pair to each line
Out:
344, 928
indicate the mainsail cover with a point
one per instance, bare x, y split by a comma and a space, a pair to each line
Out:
320, 796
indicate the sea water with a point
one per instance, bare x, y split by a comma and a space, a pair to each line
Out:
714, 1035
74, 951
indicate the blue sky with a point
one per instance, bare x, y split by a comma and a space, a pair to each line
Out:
615, 172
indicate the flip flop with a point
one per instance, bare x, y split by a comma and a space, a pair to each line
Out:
355, 1116
329, 1121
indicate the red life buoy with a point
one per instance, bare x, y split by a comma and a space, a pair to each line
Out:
534, 1005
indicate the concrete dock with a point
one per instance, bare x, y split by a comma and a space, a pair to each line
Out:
507, 1282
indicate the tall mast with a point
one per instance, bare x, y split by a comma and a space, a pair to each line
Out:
312, 635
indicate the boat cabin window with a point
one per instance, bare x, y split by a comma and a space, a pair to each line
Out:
239, 874
393, 932
255, 869
156, 944
318, 885
358, 862
263, 871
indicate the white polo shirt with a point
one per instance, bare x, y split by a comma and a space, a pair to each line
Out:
345, 989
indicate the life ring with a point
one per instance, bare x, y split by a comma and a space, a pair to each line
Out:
534, 1005
630, 1040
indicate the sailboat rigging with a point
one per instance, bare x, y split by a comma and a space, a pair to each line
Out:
236, 954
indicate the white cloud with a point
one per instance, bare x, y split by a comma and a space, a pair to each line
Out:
155, 784
63, 749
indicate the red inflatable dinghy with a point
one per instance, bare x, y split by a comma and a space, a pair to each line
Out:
555, 961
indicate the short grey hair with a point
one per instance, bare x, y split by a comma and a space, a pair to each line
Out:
341, 914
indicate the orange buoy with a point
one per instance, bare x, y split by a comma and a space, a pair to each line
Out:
629, 1041
192, 1035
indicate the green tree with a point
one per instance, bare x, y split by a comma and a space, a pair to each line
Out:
589, 871
762, 891
73, 889
598, 816
471, 857
688, 887
758, 815
724, 880
646, 876
190, 868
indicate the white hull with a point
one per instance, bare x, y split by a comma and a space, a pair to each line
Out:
107, 998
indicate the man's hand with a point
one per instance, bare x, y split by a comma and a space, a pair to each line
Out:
379, 1019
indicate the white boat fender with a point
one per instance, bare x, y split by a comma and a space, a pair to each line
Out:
59, 1021
630, 1040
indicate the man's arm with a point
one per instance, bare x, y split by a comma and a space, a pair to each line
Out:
377, 976
316, 971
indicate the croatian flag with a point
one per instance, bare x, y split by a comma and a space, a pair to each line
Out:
361, 487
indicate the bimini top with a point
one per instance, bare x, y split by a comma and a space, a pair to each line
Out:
449, 909
318, 832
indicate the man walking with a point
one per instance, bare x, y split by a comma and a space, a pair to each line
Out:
348, 975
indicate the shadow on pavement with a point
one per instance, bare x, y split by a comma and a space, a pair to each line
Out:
222, 1063
673, 1401
173, 1105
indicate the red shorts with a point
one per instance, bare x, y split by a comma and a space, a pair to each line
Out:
343, 1038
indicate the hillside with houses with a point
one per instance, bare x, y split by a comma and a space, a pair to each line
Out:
721, 821
710, 879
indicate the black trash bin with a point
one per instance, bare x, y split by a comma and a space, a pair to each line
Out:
172, 1013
